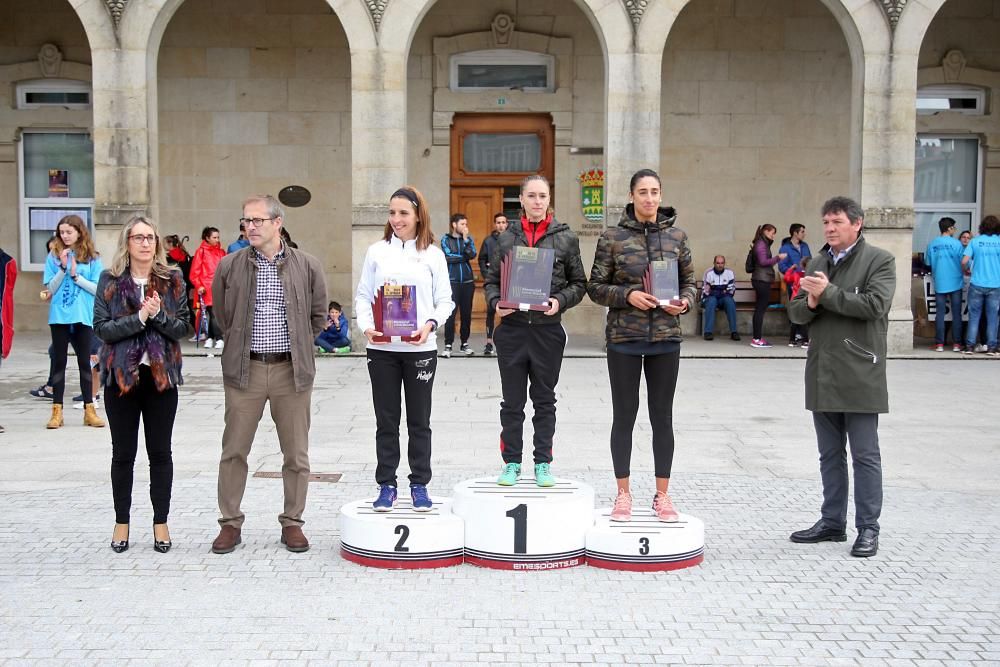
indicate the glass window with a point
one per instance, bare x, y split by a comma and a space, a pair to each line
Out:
503, 69
947, 182
962, 99
947, 170
501, 153
502, 76
64, 93
57, 176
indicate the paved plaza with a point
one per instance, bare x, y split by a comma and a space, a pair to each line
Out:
745, 464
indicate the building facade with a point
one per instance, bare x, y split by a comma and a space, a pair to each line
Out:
752, 111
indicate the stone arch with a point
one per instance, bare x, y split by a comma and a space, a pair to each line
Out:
609, 20
913, 23
97, 24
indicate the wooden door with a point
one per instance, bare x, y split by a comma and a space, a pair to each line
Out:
478, 204
482, 187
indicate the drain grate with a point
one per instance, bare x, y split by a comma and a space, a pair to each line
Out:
331, 477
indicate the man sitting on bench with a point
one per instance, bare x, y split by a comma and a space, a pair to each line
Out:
717, 291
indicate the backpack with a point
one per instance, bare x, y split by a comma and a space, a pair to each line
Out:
751, 261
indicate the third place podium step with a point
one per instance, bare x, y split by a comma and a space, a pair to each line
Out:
645, 543
524, 527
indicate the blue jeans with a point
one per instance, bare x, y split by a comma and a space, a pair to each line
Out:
713, 303
980, 297
956, 316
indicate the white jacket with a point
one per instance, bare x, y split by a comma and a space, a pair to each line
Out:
400, 263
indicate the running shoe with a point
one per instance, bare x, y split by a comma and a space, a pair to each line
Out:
543, 477
622, 510
510, 474
421, 501
42, 392
386, 498
446, 354
466, 350
759, 342
663, 508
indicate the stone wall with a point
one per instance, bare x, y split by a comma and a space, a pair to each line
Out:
756, 123
251, 102
24, 28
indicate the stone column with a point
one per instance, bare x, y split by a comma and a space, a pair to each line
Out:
378, 143
632, 114
887, 174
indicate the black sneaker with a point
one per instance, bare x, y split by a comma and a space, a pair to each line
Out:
708, 335
734, 336
488, 350
42, 392
466, 350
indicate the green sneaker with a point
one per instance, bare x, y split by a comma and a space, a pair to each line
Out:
511, 473
542, 475
343, 350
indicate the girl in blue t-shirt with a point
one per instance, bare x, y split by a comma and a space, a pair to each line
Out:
71, 273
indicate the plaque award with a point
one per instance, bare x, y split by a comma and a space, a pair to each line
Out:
395, 312
525, 278
661, 280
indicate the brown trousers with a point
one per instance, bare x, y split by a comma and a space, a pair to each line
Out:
290, 411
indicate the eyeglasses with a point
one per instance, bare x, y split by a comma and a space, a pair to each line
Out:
254, 222
143, 239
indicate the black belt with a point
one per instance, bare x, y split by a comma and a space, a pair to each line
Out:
271, 357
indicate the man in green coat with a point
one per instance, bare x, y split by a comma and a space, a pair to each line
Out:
845, 300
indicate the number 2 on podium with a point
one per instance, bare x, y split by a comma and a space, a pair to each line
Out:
404, 532
520, 516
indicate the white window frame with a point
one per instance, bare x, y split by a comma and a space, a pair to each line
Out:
502, 57
976, 209
949, 91
25, 203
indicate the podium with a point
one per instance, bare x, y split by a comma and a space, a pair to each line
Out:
524, 527
402, 539
645, 543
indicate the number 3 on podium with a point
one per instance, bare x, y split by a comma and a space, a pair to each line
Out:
520, 516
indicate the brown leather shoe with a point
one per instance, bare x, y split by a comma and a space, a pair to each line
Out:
293, 539
227, 540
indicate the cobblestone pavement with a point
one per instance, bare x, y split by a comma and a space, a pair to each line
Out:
745, 464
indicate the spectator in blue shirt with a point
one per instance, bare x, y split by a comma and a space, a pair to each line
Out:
241, 242
795, 248
984, 290
944, 258
336, 336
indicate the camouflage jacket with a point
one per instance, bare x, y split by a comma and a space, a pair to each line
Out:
620, 261
569, 278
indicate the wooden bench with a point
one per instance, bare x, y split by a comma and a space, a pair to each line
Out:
746, 299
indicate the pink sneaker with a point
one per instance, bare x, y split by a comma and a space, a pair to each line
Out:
663, 507
622, 511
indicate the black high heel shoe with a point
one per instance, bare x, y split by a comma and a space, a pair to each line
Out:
162, 546
119, 546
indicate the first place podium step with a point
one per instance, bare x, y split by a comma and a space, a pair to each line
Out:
524, 527
402, 539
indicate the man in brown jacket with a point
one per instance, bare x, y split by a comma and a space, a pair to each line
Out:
270, 300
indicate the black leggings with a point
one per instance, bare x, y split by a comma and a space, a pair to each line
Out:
625, 370
762, 289
79, 337
413, 372
157, 410
462, 294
